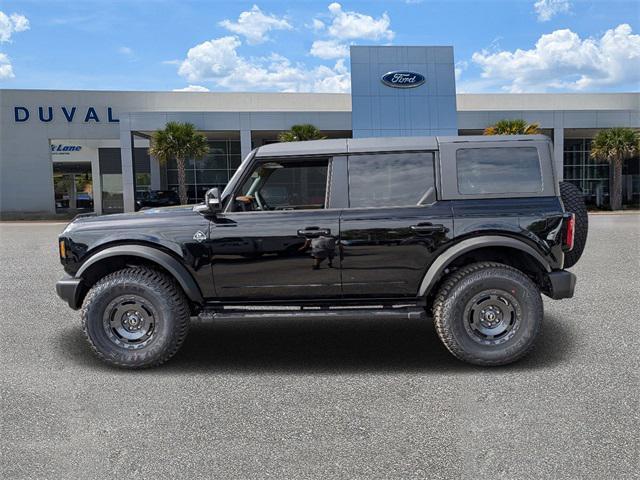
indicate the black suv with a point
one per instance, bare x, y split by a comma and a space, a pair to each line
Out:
466, 230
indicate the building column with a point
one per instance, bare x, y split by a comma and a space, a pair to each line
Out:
96, 183
245, 143
126, 158
558, 151
73, 203
154, 166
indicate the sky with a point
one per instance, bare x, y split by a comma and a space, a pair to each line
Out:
303, 46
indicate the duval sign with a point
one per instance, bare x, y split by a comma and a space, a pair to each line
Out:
403, 79
47, 114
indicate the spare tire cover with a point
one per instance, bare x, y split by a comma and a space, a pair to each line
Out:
573, 201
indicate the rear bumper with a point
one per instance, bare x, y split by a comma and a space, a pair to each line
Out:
69, 289
562, 284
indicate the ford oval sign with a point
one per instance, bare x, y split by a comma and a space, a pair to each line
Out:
402, 79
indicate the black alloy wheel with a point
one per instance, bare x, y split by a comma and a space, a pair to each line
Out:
137, 317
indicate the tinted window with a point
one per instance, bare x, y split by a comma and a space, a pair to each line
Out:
390, 180
498, 170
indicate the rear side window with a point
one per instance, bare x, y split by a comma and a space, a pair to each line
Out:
498, 170
391, 180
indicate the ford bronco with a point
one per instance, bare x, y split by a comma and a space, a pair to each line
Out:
467, 231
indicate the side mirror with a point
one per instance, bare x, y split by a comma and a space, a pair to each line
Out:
212, 200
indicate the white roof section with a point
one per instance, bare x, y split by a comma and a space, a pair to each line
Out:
142, 101
547, 101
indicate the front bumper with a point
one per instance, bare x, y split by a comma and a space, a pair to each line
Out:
562, 284
69, 289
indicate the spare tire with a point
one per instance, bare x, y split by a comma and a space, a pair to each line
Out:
573, 201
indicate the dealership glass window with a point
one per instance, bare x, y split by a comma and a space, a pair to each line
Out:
214, 170
631, 182
73, 187
498, 170
143, 182
591, 176
390, 180
111, 180
142, 169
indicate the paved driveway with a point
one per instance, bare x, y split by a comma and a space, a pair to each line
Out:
323, 399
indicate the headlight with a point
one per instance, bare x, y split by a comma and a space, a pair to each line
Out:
63, 248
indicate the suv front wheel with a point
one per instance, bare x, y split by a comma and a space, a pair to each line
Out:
135, 318
488, 314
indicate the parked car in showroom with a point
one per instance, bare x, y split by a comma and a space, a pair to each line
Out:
156, 198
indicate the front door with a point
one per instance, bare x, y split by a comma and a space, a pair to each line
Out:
278, 241
394, 224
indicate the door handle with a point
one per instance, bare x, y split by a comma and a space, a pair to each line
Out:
428, 228
314, 232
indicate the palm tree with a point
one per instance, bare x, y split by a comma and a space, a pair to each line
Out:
299, 133
179, 141
512, 127
615, 145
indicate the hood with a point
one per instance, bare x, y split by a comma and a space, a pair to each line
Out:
141, 219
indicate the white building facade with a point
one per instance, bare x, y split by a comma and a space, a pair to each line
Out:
76, 151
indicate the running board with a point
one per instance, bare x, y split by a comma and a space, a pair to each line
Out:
325, 314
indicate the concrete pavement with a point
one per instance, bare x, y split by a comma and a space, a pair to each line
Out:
323, 399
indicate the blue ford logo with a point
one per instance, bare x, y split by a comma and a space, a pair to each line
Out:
401, 79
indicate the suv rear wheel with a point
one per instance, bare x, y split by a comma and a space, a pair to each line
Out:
488, 314
135, 318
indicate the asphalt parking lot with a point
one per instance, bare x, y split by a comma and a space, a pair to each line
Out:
322, 399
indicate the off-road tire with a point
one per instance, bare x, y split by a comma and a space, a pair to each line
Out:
573, 201
466, 284
168, 303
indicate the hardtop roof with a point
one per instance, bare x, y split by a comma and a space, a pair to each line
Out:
344, 146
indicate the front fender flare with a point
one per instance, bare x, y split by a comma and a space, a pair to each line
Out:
169, 263
449, 255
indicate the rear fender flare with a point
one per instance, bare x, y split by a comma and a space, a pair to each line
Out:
440, 264
169, 263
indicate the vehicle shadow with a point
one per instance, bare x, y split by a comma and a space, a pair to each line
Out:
325, 346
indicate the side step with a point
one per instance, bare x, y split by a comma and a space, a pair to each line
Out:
324, 314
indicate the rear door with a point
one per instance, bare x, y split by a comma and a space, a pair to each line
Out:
394, 226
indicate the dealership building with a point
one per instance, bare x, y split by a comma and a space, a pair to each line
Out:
75, 151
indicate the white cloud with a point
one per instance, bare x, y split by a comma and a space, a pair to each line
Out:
460, 67
212, 59
255, 24
332, 80
218, 61
547, 9
317, 25
10, 24
328, 49
562, 60
127, 51
347, 25
6, 70
351, 25
192, 88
